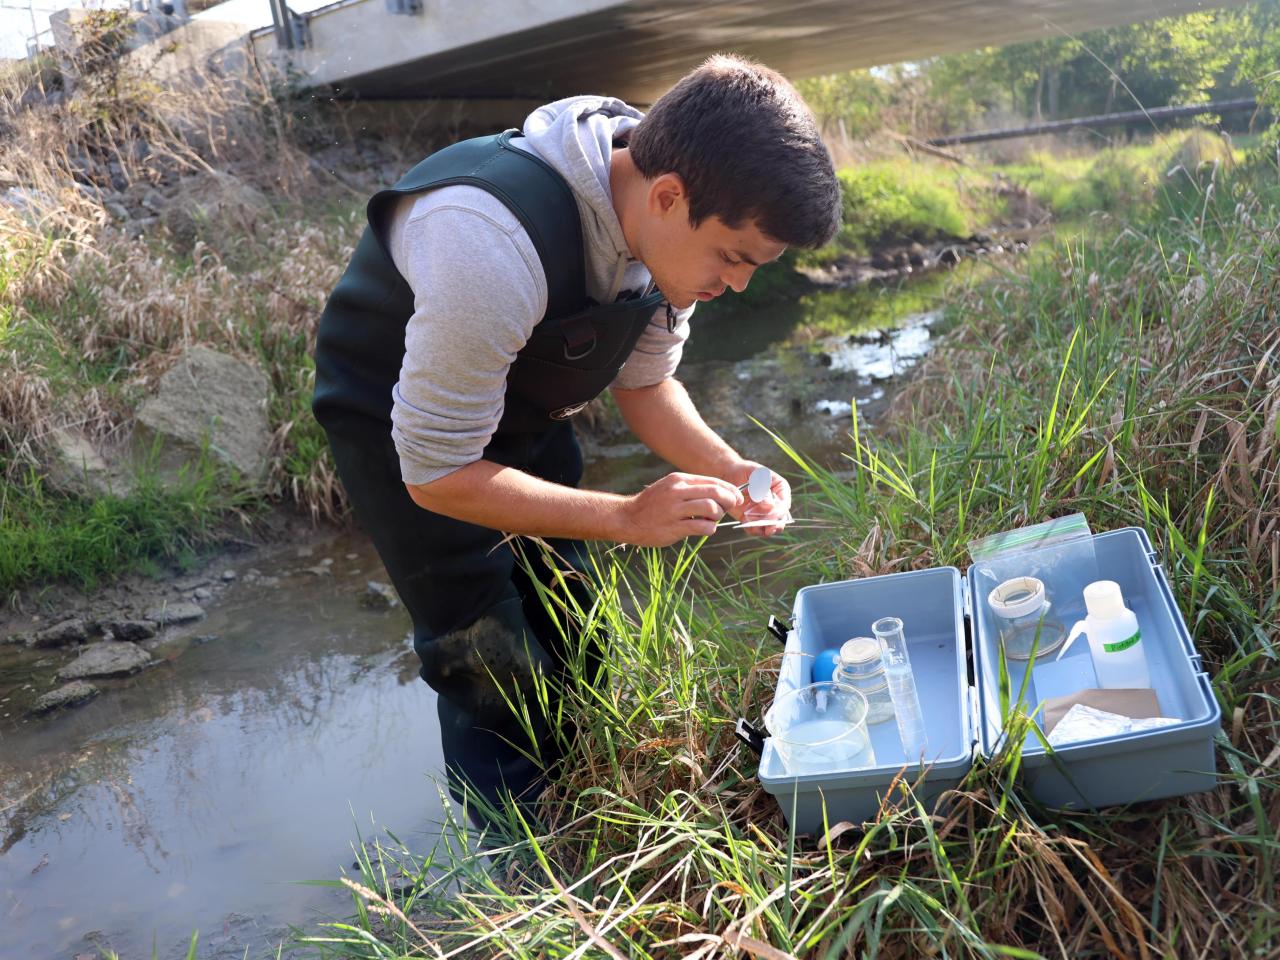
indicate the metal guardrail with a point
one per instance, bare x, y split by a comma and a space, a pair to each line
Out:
1101, 120
291, 29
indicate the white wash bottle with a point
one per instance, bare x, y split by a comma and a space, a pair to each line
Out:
1119, 659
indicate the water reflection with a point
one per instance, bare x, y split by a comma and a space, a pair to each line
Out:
196, 795
882, 355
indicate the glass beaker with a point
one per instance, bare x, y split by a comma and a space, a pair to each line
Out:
902, 686
1021, 608
860, 666
821, 728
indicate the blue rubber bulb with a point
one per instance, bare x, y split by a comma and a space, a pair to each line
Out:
824, 665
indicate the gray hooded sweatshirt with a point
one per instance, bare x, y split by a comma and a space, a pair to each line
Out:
479, 289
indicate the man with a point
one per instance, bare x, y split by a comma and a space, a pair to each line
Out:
501, 285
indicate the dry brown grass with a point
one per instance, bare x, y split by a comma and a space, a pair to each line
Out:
153, 217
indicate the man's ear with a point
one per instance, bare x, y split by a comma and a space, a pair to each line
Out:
667, 193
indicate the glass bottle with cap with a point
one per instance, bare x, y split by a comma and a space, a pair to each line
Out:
1021, 608
860, 666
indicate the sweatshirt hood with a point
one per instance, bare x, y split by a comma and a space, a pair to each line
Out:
575, 136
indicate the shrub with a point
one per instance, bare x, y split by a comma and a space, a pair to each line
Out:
1115, 183
886, 203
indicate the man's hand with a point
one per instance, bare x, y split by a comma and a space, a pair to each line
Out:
502, 498
679, 505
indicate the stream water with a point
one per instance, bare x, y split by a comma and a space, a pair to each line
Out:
195, 795
203, 793
795, 368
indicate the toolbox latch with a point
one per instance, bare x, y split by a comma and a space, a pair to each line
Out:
778, 628
750, 734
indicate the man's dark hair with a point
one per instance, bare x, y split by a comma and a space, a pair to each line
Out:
747, 148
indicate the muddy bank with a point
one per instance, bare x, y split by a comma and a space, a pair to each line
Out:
61, 646
897, 262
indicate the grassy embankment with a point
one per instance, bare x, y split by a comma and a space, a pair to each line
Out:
892, 201
247, 240
1129, 373
900, 202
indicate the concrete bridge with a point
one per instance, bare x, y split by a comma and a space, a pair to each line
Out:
543, 49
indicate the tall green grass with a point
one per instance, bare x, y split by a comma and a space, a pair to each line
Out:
1131, 376
47, 536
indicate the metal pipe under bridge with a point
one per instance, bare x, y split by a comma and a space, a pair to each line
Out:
635, 49
1244, 105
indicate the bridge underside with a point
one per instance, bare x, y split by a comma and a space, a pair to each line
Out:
544, 50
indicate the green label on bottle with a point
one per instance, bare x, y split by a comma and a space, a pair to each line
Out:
1123, 644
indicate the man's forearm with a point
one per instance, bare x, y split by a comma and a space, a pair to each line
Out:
502, 498
665, 420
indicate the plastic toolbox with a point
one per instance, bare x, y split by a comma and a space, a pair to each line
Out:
961, 705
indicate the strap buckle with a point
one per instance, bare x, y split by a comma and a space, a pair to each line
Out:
579, 337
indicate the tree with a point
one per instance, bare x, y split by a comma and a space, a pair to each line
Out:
1195, 58
1175, 60
849, 103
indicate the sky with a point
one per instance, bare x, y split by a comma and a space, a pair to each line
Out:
15, 17
15, 22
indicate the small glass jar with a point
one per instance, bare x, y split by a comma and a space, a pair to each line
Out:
860, 666
1021, 609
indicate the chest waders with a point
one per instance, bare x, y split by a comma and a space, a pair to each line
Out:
479, 626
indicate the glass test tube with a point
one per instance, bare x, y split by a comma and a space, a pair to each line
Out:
902, 686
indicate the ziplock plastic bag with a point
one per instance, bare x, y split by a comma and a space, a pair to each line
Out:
1062, 530
1041, 572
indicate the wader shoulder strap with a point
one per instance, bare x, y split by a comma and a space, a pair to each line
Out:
528, 186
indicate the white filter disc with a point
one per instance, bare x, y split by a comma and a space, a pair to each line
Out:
760, 483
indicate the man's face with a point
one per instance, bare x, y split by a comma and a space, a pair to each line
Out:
691, 264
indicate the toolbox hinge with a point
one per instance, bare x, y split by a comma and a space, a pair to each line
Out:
975, 722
